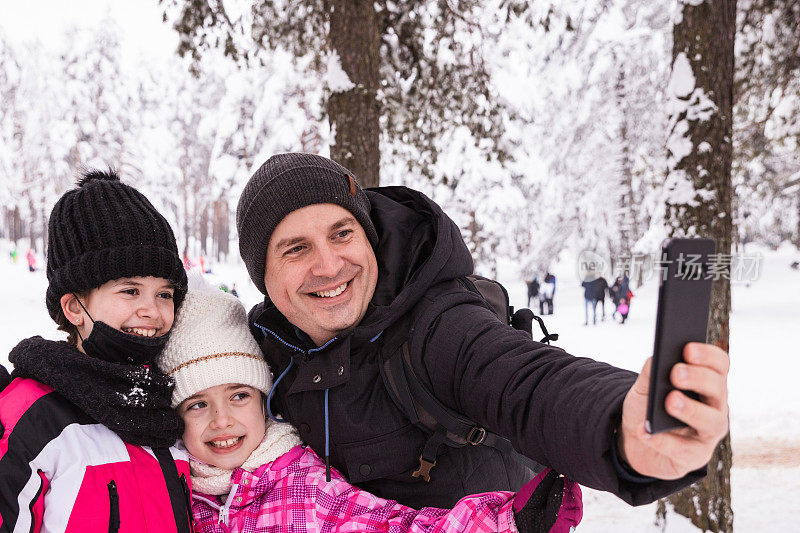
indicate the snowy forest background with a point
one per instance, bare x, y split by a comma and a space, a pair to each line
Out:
544, 128
538, 126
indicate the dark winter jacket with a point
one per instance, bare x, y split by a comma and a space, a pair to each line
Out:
557, 409
594, 289
603, 287
619, 289
533, 288
5, 377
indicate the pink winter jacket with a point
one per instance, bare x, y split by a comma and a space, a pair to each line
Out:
60, 471
290, 494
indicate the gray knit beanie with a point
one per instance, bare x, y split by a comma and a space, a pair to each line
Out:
285, 183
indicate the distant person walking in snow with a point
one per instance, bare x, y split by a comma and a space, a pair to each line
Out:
547, 292
623, 309
593, 292
89, 429
603, 290
31, 257
533, 289
619, 290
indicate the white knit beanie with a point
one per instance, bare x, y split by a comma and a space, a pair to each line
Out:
210, 344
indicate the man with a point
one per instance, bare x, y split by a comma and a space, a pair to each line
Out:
602, 297
348, 275
594, 290
548, 292
533, 289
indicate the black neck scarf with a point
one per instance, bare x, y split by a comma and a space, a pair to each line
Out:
133, 401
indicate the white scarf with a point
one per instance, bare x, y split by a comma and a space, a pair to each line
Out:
278, 439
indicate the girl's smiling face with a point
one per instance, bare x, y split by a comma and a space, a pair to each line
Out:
224, 424
140, 306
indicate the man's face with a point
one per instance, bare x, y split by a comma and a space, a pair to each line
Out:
321, 271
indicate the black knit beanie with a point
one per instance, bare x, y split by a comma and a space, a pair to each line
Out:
285, 183
105, 230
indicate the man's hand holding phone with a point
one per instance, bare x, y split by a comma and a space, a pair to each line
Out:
673, 454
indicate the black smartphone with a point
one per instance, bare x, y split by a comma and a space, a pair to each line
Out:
684, 298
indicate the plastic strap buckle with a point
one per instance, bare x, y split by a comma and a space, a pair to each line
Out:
424, 469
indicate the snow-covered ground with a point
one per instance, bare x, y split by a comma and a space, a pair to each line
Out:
765, 353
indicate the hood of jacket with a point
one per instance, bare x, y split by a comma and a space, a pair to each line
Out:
418, 247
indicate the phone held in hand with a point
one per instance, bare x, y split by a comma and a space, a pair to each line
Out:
684, 298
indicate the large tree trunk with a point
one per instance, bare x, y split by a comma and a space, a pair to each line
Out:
705, 36
627, 215
354, 113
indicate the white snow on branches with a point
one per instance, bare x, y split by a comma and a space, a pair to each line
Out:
337, 79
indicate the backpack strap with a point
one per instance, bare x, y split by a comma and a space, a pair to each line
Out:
496, 297
443, 425
492, 292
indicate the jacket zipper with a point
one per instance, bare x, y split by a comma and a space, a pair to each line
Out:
188, 497
113, 517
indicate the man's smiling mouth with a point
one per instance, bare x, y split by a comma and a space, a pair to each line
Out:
333, 292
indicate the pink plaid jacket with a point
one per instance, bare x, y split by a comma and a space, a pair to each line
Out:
291, 495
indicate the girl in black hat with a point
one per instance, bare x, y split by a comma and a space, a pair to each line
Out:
88, 430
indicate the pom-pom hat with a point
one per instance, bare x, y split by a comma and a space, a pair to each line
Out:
104, 230
210, 344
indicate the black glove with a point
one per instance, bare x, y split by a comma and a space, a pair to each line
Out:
541, 510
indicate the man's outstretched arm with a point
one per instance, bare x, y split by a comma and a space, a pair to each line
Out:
673, 454
561, 411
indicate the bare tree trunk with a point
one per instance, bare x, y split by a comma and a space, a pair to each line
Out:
31, 224
185, 191
627, 220
195, 217
797, 231
17, 232
44, 220
221, 228
203, 231
354, 113
705, 36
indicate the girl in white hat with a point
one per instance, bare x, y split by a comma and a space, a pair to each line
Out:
249, 471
